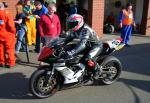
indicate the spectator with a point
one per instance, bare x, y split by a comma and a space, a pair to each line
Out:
83, 9
5, 4
63, 12
46, 2
7, 39
20, 27
126, 20
49, 26
30, 22
41, 1
40, 10
73, 8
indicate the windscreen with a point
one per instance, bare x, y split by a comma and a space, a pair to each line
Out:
55, 42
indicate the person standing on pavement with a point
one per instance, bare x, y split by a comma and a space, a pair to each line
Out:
7, 39
20, 27
30, 22
49, 26
73, 8
63, 11
126, 21
40, 10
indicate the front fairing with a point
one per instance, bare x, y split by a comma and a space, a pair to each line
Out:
50, 52
47, 52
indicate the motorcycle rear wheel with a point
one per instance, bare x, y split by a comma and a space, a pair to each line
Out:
111, 69
37, 86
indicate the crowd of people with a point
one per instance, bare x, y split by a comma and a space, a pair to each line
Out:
29, 27
37, 23
32, 17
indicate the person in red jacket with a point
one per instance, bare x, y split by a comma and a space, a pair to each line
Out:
49, 26
7, 38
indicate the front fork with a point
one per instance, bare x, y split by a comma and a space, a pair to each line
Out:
49, 76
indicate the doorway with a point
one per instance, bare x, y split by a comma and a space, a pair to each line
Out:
113, 8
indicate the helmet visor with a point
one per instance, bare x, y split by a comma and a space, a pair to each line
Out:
71, 25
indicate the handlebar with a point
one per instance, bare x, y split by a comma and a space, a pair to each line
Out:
59, 51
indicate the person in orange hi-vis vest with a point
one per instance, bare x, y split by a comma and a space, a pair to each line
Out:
126, 21
7, 38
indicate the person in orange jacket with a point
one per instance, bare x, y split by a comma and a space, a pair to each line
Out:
7, 38
126, 21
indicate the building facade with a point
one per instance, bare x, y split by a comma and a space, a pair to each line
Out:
11, 6
99, 9
97, 12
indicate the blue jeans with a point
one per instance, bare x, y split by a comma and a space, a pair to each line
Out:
126, 32
20, 40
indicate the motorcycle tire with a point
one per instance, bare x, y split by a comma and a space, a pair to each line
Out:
37, 87
111, 69
109, 28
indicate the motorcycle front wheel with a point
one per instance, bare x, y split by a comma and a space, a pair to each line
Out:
39, 88
111, 69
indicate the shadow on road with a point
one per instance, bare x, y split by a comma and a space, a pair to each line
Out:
23, 63
129, 85
140, 84
135, 59
14, 86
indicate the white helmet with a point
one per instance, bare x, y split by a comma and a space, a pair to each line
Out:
75, 22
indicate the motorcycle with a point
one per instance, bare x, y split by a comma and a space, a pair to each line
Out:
109, 28
60, 73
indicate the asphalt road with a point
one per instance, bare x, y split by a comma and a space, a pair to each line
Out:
132, 87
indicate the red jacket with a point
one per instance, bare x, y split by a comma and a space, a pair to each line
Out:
49, 27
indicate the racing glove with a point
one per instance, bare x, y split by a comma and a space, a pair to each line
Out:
69, 54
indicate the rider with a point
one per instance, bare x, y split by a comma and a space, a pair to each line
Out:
88, 39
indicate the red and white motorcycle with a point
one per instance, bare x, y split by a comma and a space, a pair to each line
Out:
61, 73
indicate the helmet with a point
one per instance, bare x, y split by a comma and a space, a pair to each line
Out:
75, 22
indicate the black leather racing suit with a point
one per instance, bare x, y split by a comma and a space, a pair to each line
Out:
88, 39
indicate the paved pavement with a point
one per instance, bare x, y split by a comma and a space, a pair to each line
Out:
132, 87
